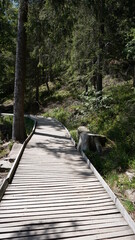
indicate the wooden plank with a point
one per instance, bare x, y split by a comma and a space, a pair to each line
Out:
53, 179
54, 199
100, 219
61, 187
20, 202
87, 234
55, 216
55, 168
131, 237
64, 233
49, 204
67, 226
60, 207
57, 181
56, 191
56, 176
52, 196
58, 210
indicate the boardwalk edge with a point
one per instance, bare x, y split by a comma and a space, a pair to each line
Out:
114, 198
11, 173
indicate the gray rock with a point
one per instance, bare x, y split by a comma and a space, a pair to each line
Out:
130, 194
5, 165
89, 141
130, 175
83, 143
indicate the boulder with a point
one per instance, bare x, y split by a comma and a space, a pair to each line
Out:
89, 141
130, 175
5, 165
130, 194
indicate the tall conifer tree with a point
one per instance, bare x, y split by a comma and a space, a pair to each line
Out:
19, 133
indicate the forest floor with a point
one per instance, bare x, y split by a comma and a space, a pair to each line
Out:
113, 117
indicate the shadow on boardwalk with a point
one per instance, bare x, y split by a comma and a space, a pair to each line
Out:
55, 230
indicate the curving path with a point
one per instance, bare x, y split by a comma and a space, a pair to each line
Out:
54, 195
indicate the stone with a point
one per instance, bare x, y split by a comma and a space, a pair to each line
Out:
5, 165
130, 175
89, 141
83, 143
82, 129
130, 194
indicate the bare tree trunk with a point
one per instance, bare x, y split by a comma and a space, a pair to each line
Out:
101, 47
37, 84
18, 132
134, 75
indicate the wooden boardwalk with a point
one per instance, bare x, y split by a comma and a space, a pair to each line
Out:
54, 195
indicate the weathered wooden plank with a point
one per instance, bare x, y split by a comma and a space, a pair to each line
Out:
66, 233
100, 219
17, 203
87, 234
60, 207
37, 206
35, 187
58, 210
55, 168
131, 237
52, 179
66, 226
51, 176
52, 196
55, 215
54, 199
56, 191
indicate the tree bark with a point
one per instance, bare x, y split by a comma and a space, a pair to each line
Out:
37, 77
134, 75
100, 17
18, 132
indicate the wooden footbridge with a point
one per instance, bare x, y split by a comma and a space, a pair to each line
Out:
55, 195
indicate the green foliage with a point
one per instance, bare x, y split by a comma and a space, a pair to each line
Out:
59, 96
128, 205
59, 113
29, 123
130, 46
8, 23
74, 135
6, 128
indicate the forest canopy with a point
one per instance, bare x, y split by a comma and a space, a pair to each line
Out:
76, 41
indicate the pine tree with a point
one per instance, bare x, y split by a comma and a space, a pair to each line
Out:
19, 133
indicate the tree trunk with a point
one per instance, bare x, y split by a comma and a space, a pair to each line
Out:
19, 133
100, 17
37, 84
134, 75
99, 85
